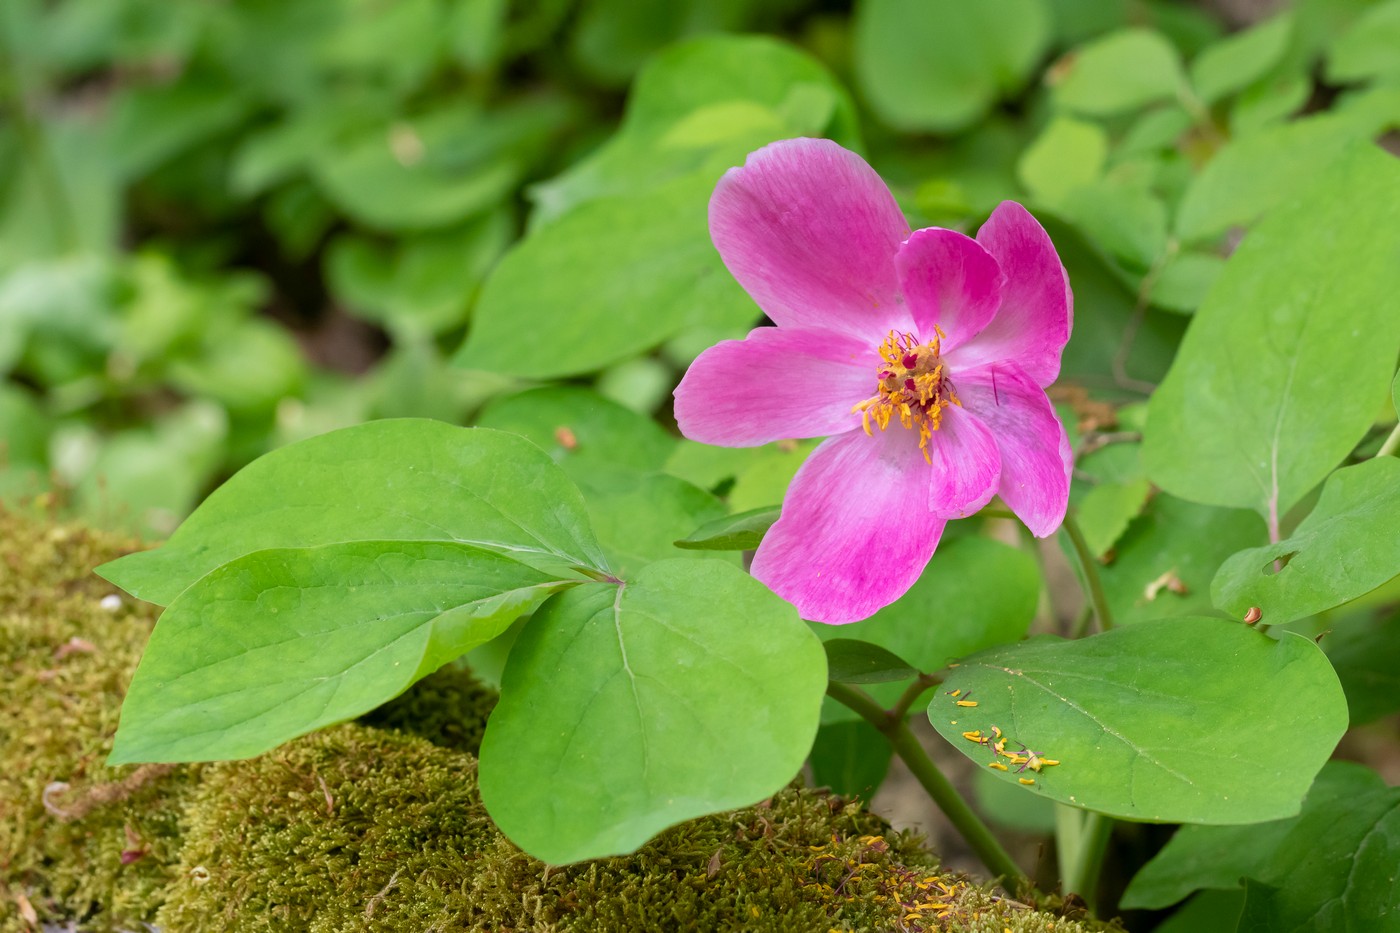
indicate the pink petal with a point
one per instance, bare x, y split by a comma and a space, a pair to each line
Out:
775, 383
856, 531
966, 465
1035, 453
810, 231
1037, 308
951, 281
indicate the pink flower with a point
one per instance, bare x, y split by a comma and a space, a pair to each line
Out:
924, 356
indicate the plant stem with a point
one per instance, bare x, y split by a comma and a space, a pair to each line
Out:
909, 697
1392, 443
1091, 572
896, 731
1082, 853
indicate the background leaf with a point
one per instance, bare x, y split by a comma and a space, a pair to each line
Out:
852, 661
940, 64
1111, 709
616, 714
1298, 319
1118, 72
851, 758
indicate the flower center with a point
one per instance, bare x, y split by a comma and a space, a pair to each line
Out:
912, 386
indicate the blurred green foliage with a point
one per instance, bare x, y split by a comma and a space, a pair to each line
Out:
226, 226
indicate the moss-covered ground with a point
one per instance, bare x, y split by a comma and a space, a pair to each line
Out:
375, 825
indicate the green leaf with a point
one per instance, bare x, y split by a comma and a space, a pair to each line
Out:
425, 285
639, 516
1331, 867
1129, 223
940, 64
1119, 72
438, 169
1336, 870
1106, 510
851, 758
1258, 171
1164, 562
703, 105
1068, 154
1346, 547
617, 707
1008, 805
1367, 49
1236, 62
402, 480
573, 424
852, 661
1146, 720
1248, 415
1185, 280
742, 531
975, 593
1364, 647
1206, 912
613, 454
610, 279
281, 642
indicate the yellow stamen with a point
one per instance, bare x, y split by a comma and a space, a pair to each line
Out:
911, 385
1027, 781
967, 702
996, 764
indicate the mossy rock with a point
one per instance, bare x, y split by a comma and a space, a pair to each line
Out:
375, 825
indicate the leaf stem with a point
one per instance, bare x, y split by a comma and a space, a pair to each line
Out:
1392, 443
1082, 850
1091, 572
909, 697
896, 731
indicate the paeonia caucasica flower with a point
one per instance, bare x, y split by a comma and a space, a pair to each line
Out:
923, 357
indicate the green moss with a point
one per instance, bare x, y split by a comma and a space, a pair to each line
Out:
66, 661
372, 826
448, 708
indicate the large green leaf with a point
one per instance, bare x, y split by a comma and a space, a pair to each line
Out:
1300, 318
401, 480
1332, 867
1346, 547
281, 642
617, 713
941, 64
1336, 870
1219, 857
1147, 720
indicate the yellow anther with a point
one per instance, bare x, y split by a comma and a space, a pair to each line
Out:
1027, 781
967, 702
996, 764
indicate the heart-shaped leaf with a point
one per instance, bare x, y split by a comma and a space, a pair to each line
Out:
1346, 547
618, 709
401, 480
281, 642
1183, 720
